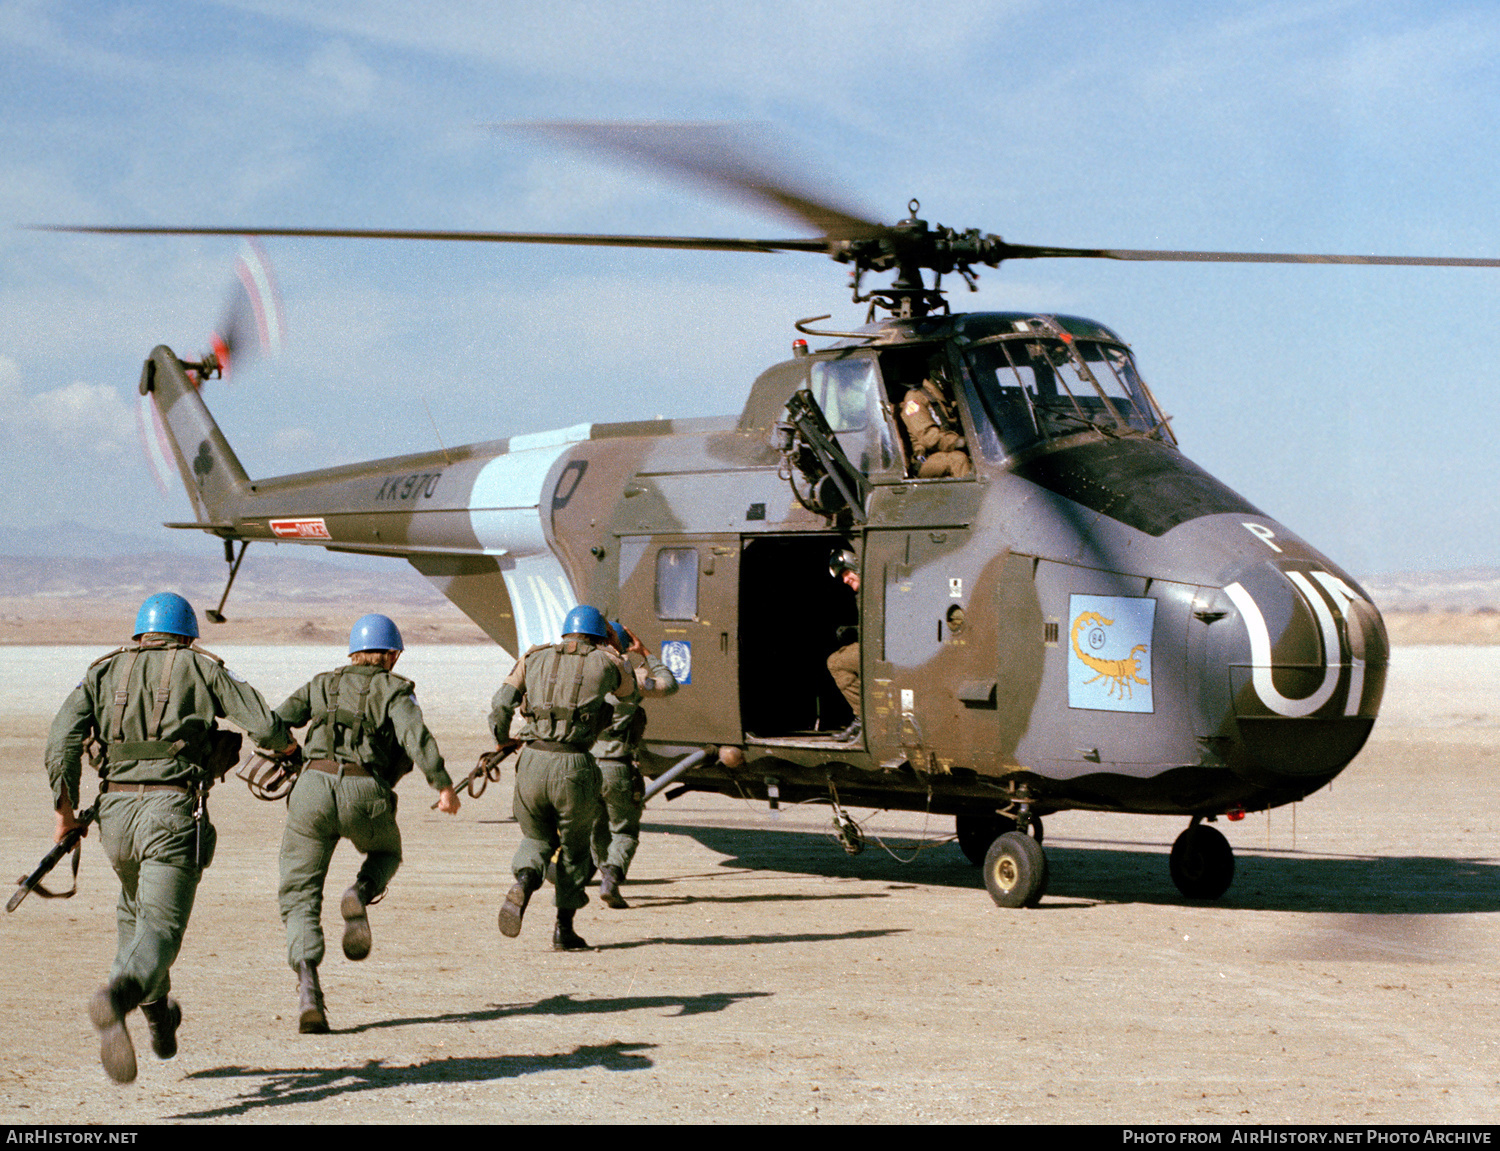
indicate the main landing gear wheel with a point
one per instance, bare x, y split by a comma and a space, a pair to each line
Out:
1015, 870
1202, 863
977, 832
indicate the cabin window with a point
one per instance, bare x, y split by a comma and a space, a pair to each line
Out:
1042, 383
844, 390
677, 583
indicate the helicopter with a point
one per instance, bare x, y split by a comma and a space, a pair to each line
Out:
1082, 618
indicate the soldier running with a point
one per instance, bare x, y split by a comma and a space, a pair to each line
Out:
152, 705
366, 732
560, 689
617, 829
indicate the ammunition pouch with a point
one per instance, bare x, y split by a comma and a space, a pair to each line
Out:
270, 776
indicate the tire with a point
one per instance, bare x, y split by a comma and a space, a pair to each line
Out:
977, 832
1015, 870
1202, 863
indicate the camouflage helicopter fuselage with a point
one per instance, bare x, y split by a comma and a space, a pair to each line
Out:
1087, 620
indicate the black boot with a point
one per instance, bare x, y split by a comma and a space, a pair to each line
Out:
609, 888
162, 1019
564, 938
516, 899
356, 922
310, 995
107, 1011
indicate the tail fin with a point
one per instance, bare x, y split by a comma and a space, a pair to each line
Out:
215, 481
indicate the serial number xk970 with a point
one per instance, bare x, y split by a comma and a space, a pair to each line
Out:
409, 487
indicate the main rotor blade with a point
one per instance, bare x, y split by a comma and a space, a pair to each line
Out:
1031, 252
730, 157
708, 243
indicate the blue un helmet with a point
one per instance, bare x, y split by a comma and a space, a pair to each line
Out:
167, 614
375, 633
585, 620
620, 633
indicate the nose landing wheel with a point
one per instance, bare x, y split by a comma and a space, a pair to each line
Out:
1202, 862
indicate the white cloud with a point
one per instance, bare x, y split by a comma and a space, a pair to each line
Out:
90, 419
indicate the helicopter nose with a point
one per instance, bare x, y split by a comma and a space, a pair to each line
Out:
1306, 662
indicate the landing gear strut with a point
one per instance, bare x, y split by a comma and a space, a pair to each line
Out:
1202, 862
977, 832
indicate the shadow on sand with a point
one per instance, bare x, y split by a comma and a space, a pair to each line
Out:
287, 1086
1101, 872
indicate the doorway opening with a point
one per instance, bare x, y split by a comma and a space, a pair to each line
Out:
793, 615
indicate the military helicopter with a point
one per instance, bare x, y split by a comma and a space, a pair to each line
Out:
1084, 620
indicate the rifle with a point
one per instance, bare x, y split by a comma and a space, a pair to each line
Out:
72, 840
486, 771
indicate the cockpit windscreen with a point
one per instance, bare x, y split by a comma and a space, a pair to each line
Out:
1043, 383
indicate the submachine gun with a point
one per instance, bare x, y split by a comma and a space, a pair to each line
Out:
72, 840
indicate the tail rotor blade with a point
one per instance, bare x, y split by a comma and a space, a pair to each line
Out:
252, 323
155, 444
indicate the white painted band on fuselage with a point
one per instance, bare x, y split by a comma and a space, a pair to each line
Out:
541, 597
505, 501
1260, 650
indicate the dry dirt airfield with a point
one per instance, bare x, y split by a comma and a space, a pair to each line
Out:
763, 975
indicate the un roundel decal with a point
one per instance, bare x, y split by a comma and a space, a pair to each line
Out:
1109, 652
677, 654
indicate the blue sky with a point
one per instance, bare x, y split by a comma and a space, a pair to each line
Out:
1353, 404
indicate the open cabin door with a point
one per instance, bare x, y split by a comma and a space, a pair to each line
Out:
680, 594
793, 615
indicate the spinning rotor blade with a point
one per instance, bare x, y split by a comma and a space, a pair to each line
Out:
252, 318
1030, 252
730, 157
706, 243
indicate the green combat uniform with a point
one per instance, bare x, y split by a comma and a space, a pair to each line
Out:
153, 704
617, 829
366, 733
560, 689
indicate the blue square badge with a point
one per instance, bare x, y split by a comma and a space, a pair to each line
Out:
1109, 652
677, 654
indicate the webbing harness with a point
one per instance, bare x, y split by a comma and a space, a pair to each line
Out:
337, 717
562, 712
153, 747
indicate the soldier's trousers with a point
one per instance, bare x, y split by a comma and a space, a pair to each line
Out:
322, 809
151, 843
557, 801
617, 827
843, 665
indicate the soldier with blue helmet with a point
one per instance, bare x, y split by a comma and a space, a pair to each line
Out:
146, 712
617, 829
365, 732
560, 689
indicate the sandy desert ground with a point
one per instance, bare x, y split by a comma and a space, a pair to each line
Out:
763, 975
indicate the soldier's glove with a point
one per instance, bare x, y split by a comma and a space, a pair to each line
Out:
846, 635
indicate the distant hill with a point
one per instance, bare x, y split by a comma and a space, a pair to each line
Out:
1474, 589
263, 577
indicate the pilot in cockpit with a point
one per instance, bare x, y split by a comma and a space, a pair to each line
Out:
937, 443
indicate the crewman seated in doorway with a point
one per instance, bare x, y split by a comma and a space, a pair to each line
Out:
843, 664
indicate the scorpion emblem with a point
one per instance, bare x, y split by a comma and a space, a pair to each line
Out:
1121, 673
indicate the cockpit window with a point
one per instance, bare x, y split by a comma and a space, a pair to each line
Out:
1041, 382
